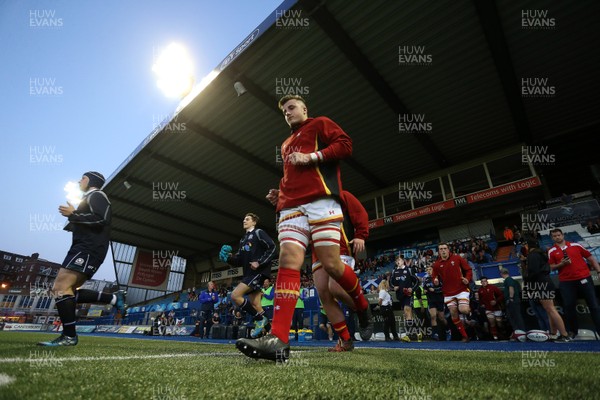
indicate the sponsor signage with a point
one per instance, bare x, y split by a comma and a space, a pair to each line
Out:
22, 327
230, 273
149, 271
491, 193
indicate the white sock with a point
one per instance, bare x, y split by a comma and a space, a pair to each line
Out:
114, 300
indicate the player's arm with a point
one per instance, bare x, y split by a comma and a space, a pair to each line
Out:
359, 219
268, 245
467, 272
99, 211
338, 143
435, 275
499, 295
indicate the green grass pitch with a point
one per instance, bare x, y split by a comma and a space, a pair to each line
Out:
119, 368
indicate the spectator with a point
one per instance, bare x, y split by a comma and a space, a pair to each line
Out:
268, 294
574, 278
385, 305
324, 324
208, 299
540, 287
512, 298
298, 318
593, 227
508, 234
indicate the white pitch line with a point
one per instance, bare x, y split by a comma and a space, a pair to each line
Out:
115, 358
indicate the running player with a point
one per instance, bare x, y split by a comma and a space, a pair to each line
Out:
90, 224
404, 284
354, 232
455, 274
490, 297
309, 210
254, 255
435, 301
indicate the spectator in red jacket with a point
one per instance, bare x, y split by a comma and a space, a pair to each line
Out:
490, 297
508, 234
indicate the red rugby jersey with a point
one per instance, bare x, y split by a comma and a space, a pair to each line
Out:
489, 293
450, 272
302, 184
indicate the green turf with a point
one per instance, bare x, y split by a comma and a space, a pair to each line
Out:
311, 374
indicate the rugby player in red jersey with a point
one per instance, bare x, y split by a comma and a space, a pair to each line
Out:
354, 232
490, 297
309, 211
455, 274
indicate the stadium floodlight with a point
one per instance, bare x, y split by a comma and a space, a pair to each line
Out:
175, 71
73, 193
239, 87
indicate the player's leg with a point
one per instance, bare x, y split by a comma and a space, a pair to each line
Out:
293, 238
325, 217
464, 309
339, 293
63, 291
433, 318
492, 324
332, 308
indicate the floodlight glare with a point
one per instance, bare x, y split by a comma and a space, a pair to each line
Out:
74, 194
174, 71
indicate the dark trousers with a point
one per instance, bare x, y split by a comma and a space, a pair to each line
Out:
298, 320
389, 322
205, 318
569, 291
513, 311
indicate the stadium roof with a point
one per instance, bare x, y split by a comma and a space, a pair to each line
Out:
220, 150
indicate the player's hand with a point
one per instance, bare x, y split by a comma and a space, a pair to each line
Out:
465, 281
565, 261
254, 264
67, 210
493, 302
436, 282
396, 288
225, 252
431, 289
297, 158
358, 245
273, 196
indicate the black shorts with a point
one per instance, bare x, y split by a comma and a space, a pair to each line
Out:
81, 262
436, 302
323, 320
255, 281
405, 301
